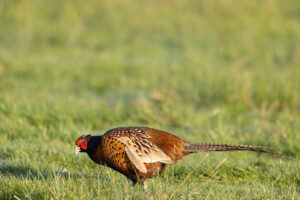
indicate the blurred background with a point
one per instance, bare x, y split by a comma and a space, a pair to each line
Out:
205, 70
139, 62
224, 70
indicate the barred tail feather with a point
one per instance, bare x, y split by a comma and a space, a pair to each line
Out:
205, 147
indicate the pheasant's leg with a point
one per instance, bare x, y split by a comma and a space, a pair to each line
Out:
144, 182
133, 183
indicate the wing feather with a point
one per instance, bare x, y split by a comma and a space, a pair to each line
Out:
140, 150
134, 159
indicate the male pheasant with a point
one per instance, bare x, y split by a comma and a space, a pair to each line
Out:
140, 153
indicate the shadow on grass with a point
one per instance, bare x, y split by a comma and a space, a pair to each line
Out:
22, 172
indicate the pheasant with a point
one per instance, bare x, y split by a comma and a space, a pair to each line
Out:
140, 153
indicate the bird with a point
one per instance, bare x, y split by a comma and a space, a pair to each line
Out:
141, 153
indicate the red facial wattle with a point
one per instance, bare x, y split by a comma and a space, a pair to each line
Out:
82, 143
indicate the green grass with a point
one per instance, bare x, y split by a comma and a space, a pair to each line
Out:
219, 71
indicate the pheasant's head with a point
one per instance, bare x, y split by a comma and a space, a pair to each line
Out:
82, 144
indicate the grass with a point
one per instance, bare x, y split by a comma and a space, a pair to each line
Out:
219, 71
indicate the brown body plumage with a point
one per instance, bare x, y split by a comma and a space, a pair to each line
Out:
140, 153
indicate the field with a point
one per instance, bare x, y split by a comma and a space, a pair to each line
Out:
209, 71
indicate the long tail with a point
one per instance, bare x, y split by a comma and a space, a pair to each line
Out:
204, 147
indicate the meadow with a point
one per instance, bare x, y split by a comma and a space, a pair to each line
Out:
209, 71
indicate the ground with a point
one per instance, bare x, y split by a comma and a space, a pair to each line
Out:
207, 71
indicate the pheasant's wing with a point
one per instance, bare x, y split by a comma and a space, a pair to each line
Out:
140, 150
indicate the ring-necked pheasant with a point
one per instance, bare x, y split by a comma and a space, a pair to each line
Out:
140, 153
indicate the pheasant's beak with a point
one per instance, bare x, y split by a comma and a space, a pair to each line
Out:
77, 149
